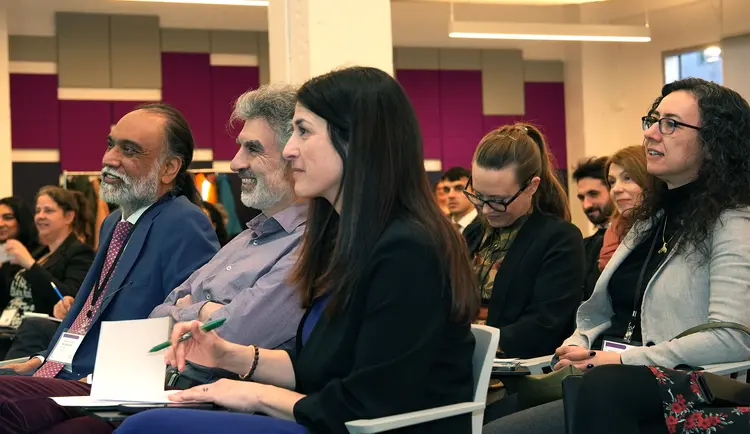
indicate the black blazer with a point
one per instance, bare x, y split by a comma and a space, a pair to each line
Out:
538, 287
67, 267
393, 348
592, 246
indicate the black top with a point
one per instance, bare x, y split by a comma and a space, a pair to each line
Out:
623, 284
538, 287
7, 273
393, 349
67, 267
593, 247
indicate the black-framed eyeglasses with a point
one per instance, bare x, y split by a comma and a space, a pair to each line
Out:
666, 125
496, 204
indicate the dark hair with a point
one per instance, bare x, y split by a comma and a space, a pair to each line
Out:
180, 144
524, 146
27, 232
724, 175
218, 220
374, 129
76, 202
455, 174
591, 168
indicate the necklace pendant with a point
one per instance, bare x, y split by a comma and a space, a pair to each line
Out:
663, 249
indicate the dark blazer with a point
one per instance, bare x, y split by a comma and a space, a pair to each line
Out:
538, 286
592, 246
171, 240
67, 267
393, 348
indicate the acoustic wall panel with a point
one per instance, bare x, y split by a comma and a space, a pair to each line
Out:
32, 48
186, 79
502, 82
423, 89
185, 41
460, 115
459, 59
545, 106
84, 126
227, 84
234, 42
416, 58
264, 59
34, 113
121, 108
29, 178
83, 46
135, 52
543, 71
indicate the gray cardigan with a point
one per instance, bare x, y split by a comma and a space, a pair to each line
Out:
680, 295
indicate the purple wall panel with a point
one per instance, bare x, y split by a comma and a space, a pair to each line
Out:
121, 108
186, 84
84, 126
545, 108
423, 89
228, 83
34, 111
460, 116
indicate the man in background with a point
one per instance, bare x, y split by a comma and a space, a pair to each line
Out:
593, 193
461, 212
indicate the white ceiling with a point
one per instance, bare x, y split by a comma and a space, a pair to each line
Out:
674, 23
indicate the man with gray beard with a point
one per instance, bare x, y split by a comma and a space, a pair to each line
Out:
246, 281
151, 244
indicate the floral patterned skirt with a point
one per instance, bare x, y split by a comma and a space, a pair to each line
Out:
687, 411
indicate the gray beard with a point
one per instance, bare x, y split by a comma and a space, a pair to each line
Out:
132, 194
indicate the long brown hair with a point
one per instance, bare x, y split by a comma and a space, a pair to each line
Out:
524, 146
374, 129
76, 202
632, 159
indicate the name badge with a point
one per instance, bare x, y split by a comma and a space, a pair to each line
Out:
7, 317
616, 347
66, 348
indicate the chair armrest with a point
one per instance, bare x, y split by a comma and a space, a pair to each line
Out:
413, 418
727, 368
10, 361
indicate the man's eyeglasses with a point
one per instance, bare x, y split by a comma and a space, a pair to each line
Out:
666, 125
498, 205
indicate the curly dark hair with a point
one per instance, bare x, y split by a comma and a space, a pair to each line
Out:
724, 175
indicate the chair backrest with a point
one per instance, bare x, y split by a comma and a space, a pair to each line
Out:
487, 339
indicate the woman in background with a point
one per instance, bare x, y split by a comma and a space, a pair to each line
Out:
217, 221
528, 258
16, 223
627, 177
60, 265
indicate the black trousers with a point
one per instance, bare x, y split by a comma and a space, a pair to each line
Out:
619, 399
32, 337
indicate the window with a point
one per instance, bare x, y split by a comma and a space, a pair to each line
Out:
706, 64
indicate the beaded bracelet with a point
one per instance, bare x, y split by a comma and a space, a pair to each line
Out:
250, 373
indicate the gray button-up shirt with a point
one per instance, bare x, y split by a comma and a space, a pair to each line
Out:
248, 276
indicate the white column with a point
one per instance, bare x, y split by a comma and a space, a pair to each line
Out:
736, 64
312, 37
6, 160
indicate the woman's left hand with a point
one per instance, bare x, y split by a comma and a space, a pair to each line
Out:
235, 395
20, 255
586, 359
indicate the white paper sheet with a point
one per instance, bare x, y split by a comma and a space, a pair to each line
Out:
88, 401
125, 370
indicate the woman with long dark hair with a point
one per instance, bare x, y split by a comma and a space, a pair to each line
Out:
16, 223
389, 292
528, 258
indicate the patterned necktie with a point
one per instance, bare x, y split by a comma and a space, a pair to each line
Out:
83, 321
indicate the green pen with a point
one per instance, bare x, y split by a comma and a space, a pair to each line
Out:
207, 327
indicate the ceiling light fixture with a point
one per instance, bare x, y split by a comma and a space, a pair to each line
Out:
712, 54
210, 2
549, 32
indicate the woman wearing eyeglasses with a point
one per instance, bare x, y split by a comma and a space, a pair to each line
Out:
529, 259
687, 262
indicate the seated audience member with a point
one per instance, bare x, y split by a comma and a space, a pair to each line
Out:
593, 193
216, 221
528, 257
689, 242
390, 298
149, 246
246, 281
441, 197
461, 212
627, 177
60, 265
16, 223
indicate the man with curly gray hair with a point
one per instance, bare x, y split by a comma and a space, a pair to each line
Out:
246, 281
